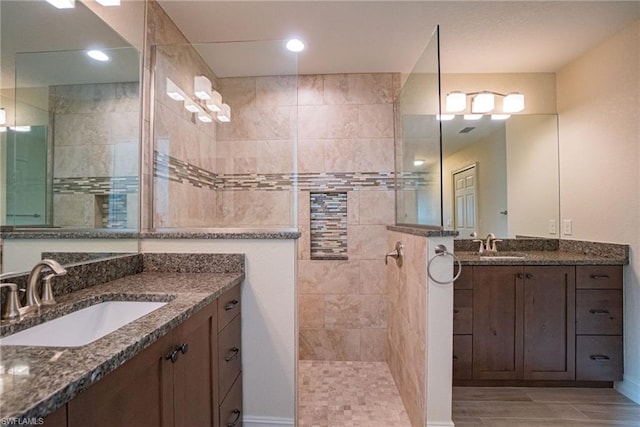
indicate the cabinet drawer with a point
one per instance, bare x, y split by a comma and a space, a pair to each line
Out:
599, 312
462, 351
462, 311
465, 281
599, 277
231, 407
229, 356
599, 358
228, 306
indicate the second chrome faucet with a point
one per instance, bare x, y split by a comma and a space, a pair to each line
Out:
489, 245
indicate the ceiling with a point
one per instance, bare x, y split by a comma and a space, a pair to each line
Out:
389, 36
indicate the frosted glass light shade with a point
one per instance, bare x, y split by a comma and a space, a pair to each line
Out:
472, 116
214, 104
109, 2
202, 87
513, 103
224, 115
173, 91
482, 103
500, 116
204, 117
191, 106
456, 101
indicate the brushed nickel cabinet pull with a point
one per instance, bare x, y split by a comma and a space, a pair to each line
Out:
599, 357
598, 311
235, 412
231, 305
599, 276
232, 354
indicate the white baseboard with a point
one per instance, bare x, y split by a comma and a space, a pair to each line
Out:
440, 424
253, 421
630, 388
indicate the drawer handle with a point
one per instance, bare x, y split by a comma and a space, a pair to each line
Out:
231, 305
528, 276
455, 358
599, 276
598, 311
456, 311
173, 356
183, 348
599, 357
520, 276
232, 354
235, 412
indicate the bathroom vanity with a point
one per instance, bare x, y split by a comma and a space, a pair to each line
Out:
542, 318
178, 365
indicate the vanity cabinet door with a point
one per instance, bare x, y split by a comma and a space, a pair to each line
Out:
194, 372
549, 323
132, 395
497, 322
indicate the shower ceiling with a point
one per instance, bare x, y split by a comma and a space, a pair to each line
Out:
388, 36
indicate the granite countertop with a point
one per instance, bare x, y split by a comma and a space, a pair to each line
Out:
204, 233
34, 381
539, 258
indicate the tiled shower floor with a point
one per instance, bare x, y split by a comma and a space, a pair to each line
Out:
348, 394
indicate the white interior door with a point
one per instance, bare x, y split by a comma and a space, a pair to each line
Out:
465, 205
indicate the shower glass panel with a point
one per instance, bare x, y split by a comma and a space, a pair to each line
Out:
213, 173
418, 142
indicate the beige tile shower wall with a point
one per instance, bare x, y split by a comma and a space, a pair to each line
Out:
95, 132
259, 141
406, 338
180, 135
345, 124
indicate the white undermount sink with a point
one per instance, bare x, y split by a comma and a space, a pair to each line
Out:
83, 326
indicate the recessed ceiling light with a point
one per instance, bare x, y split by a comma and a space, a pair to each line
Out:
98, 55
295, 45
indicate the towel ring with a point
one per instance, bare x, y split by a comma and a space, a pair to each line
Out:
441, 250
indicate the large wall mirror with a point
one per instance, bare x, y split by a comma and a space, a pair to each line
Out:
501, 176
71, 139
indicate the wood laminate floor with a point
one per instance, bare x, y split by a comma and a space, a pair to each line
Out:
524, 407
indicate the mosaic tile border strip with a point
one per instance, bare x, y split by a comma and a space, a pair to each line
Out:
173, 169
328, 225
96, 185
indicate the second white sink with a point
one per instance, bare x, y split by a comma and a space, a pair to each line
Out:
83, 326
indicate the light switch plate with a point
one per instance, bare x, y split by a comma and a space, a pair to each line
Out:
566, 227
552, 226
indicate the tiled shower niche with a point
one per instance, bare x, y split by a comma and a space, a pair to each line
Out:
328, 225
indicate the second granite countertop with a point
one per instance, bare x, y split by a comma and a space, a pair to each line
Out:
537, 258
37, 380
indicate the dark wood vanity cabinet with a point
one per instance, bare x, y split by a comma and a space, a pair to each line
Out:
181, 380
537, 323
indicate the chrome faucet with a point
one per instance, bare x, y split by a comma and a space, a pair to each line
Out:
489, 245
33, 299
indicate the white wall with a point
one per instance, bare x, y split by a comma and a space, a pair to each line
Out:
599, 111
21, 255
268, 323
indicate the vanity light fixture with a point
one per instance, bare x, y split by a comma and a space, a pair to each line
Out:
202, 87
295, 45
3, 116
224, 115
174, 92
98, 55
62, 4
418, 162
214, 104
445, 117
108, 3
483, 102
191, 106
